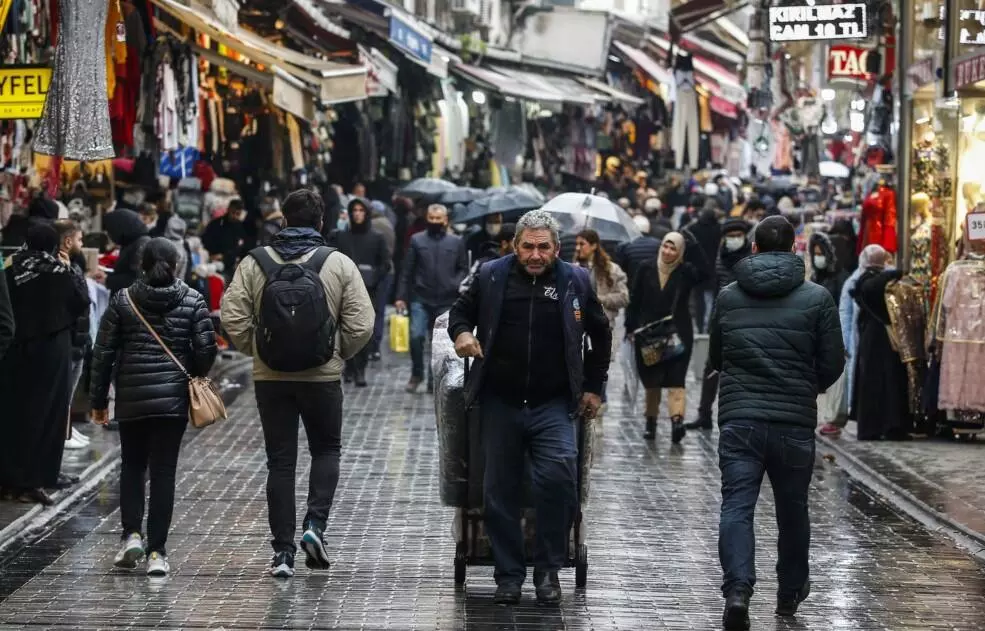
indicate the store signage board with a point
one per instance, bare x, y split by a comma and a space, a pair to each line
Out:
921, 73
409, 40
818, 22
4, 11
23, 90
968, 70
972, 25
846, 63
976, 226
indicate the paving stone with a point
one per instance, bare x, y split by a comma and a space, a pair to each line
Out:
652, 535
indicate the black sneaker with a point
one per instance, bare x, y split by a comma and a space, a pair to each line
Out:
736, 616
677, 430
650, 430
507, 594
548, 588
375, 356
282, 565
315, 551
787, 606
701, 423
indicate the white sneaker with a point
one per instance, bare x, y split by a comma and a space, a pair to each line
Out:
72, 443
157, 565
131, 553
79, 436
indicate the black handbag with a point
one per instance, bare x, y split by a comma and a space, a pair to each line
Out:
658, 342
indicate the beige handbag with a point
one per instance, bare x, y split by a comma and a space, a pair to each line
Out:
205, 403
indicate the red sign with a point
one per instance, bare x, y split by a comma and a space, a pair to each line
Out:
847, 63
968, 70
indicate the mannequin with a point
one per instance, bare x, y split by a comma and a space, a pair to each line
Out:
920, 269
685, 128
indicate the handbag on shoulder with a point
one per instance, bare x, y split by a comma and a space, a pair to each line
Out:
657, 343
205, 404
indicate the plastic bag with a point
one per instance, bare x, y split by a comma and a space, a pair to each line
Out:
627, 361
399, 333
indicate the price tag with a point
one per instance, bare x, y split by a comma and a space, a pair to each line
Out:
976, 226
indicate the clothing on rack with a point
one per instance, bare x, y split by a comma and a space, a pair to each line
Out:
685, 129
878, 219
960, 328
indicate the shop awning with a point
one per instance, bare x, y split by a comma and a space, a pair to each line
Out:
334, 82
715, 77
567, 89
694, 13
617, 95
507, 85
646, 63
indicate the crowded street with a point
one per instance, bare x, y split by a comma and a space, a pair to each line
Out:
652, 526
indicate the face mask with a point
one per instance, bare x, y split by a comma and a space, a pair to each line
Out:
492, 229
820, 262
435, 229
734, 243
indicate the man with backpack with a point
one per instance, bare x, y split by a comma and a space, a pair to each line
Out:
301, 309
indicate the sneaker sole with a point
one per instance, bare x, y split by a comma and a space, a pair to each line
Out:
130, 559
316, 557
282, 571
158, 572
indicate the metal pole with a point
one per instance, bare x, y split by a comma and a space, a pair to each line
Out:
904, 136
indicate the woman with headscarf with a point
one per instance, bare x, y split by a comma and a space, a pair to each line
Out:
873, 256
663, 288
47, 300
880, 402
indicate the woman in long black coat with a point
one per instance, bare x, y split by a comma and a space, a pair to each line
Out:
662, 288
880, 392
47, 299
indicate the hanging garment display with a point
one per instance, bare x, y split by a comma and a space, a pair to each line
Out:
960, 328
879, 219
75, 124
685, 128
761, 147
905, 304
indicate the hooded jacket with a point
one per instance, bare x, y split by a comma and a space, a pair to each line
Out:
727, 260
832, 277
843, 241
365, 246
148, 383
126, 230
708, 234
776, 340
174, 232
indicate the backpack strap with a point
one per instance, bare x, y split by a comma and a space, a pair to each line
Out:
264, 260
317, 260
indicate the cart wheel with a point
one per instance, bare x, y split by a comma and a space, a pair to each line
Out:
581, 567
460, 566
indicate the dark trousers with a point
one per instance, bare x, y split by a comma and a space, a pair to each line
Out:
357, 365
380, 299
318, 404
149, 444
547, 435
785, 453
422, 319
709, 392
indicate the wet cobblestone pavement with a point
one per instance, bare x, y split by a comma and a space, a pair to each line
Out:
652, 537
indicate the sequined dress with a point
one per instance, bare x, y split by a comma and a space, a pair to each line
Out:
75, 124
961, 328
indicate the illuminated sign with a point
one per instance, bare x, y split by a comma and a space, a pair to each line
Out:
818, 22
972, 23
23, 90
848, 63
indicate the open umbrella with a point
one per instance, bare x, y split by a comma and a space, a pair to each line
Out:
460, 196
500, 203
577, 211
427, 188
833, 169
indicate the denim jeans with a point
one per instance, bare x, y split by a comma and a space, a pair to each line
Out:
547, 435
422, 319
746, 451
380, 298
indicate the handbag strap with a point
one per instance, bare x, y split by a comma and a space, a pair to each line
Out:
151, 330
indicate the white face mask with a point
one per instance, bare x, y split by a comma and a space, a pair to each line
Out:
734, 243
492, 229
820, 262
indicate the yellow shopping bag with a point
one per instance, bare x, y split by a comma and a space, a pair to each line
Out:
399, 333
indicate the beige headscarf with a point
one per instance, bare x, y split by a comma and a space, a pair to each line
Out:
664, 270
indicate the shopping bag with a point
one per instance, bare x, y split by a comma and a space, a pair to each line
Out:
399, 333
631, 381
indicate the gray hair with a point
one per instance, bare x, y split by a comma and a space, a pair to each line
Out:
538, 220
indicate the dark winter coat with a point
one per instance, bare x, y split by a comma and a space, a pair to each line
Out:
6, 318
648, 302
844, 242
433, 270
635, 254
148, 383
776, 340
80, 333
708, 234
226, 238
725, 265
832, 277
47, 304
126, 230
367, 249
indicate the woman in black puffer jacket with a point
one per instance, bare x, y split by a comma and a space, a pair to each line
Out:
151, 392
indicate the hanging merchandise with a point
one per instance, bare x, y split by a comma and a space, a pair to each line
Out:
920, 238
685, 128
960, 329
878, 218
811, 114
75, 124
905, 305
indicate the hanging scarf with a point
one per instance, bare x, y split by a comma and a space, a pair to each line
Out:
666, 269
29, 264
292, 243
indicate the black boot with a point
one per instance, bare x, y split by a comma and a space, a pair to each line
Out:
736, 616
677, 431
361, 378
787, 605
702, 422
651, 428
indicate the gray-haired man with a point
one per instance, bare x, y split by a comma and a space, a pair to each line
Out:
532, 312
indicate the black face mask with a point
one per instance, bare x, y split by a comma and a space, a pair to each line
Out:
436, 229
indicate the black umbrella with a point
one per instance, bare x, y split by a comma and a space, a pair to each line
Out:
500, 203
460, 196
427, 188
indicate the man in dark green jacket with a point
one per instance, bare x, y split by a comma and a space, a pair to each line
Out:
776, 339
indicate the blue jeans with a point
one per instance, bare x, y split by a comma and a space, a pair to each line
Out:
547, 434
380, 298
422, 319
747, 450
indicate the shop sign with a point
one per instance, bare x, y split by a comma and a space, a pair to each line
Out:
920, 74
293, 99
381, 73
818, 22
971, 23
23, 90
968, 70
4, 10
409, 40
976, 226
847, 63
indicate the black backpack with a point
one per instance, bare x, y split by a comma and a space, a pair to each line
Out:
295, 330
